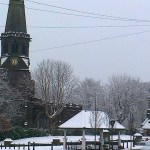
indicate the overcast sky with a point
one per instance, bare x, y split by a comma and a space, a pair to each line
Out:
128, 54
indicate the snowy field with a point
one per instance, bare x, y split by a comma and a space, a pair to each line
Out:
49, 139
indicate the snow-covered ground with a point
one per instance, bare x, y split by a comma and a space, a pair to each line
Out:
49, 139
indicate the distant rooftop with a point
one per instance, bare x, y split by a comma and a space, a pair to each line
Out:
146, 124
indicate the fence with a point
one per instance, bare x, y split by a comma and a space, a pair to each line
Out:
124, 143
90, 145
29, 146
70, 146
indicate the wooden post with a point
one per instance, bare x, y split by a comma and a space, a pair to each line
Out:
123, 144
52, 146
119, 139
28, 145
83, 140
130, 141
33, 146
65, 140
133, 141
101, 139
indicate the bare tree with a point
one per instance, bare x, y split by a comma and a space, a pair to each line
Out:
123, 98
55, 83
125, 94
97, 118
90, 93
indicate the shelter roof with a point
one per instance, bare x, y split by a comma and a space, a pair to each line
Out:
86, 119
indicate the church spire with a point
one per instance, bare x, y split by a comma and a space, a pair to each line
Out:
16, 20
15, 40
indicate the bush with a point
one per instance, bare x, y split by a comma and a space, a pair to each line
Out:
56, 132
19, 132
75, 132
36, 132
59, 132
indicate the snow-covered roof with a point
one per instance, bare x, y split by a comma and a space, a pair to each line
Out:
146, 124
118, 126
144, 121
8, 140
105, 131
85, 119
137, 134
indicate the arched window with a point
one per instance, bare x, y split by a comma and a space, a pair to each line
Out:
43, 121
15, 48
24, 49
5, 48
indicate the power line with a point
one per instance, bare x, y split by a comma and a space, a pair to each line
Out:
63, 13
94, 17
88, 42
82, 27
91, 13
68, 14
3, 4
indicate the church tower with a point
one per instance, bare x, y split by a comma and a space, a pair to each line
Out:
15, 54
15, 40
15, 44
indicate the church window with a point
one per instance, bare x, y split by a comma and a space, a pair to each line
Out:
44, 121
5, 48
15, 48
24, 50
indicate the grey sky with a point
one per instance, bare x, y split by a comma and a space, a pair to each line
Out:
99, 60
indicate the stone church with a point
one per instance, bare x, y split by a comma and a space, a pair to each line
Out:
15, 61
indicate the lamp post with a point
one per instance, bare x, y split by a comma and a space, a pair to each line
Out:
95, 128
112, 122
95, 118
131, 127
